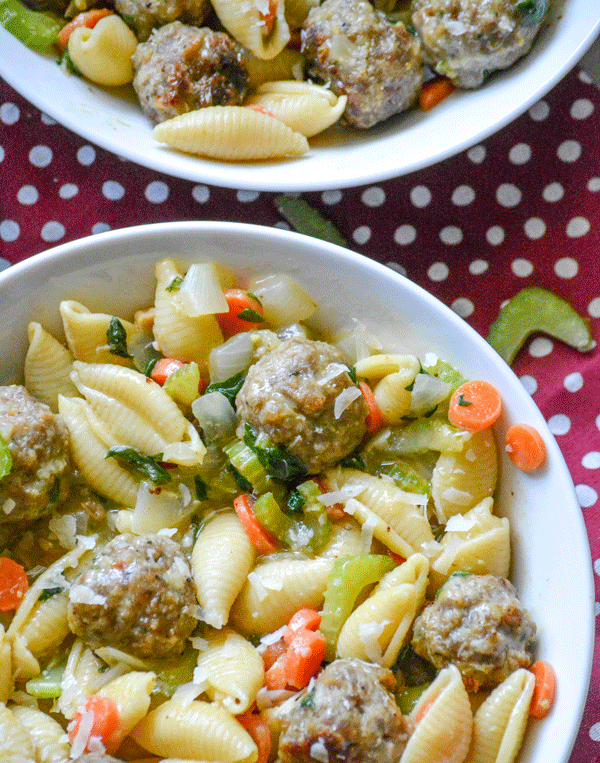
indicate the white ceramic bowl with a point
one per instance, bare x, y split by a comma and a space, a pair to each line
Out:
340, 157
113, 272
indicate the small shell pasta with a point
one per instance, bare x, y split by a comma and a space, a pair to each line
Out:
177, 334
443, 734
392, 397
221, 559
233, 669
5, 666
15, 740
103, 54
414, 571
197, 730
378, 627
500, 722
86, 334
346, 539
231, 133
378, 366
306, 108
131, 693
48, 737
47, 367
461, 480
248, 23
275, 590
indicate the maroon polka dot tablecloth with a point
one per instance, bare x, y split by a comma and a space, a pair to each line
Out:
521, 208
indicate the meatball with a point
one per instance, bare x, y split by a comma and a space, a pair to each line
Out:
182, 68
354, 48
38, 442
146, 15
136, 595
468, 39
349, 714
290, 396
478, 624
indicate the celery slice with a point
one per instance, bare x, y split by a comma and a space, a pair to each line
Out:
247, 463
34, 29
408, 697
536, 309
308, 220
419, 437
310, 530
182, 384
5, 458
405, 477
347, 579
47, 685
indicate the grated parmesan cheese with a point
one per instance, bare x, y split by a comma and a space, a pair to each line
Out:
318, 751
460, 523
344, 400
83, 594
369, 634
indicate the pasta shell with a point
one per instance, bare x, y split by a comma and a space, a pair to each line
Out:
231, 133
221, 560
500, 722
15, 741
247, 23
103, 54
306, 108
47, 367
414, 571
443, 734
86, 334
131, 693
48, 737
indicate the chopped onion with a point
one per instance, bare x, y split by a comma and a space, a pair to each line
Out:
283, 299
155, 510
344, 400
215, 416
231, 357
201, 292
427, 392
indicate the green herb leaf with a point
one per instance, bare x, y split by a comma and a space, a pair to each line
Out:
175, 284
254, 297
5, 458
145, 467
67, 62
308, 220
275, 458
352, 374
201, 489
240, 479
251, 315
353, 461
296, 501
308, 700
463, 402
117, 338
230, 387
48, 593
532, 11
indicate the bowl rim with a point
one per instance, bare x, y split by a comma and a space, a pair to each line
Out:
79, 253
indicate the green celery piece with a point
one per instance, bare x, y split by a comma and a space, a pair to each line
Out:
409, 696
175, 673
5, 458
36, 30
47, 684
347, 579
246, 462
308, 220
419, 437
315, 515
405, 477
298, 531
182, 384
537, 309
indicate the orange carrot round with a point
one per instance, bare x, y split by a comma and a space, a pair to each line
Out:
245, 312
105, 718
87, 19
304, 618
544, 690
434, 91
475, 406
525, 447
163, 368
304, 656
261, 539
273, 652
257, 727
13, 584
375, 419
276, 675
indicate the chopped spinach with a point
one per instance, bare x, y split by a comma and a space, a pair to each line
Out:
251, 315
532, 11
275, 458
117, 338
48, 593
143, 466
230, 387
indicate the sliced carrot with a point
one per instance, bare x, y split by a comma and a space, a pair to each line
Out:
261, 539
525, 447
261, 110
375, 419
273, 652
163, 368
276, 675
304, 618
425, 707
87, 19
245, 312
304, 656
13, 584
434, 91
257, 727
544, 690
475, 406
105, 718
269, 19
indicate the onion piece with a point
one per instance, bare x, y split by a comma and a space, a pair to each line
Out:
201, 292
427, 392
216, 417
231, 357
284, 301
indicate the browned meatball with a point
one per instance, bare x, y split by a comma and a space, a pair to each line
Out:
290, 396
478, 624
182, 68
146, 15
361, 54
38, 441
348, 714
136, 595
468, 39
